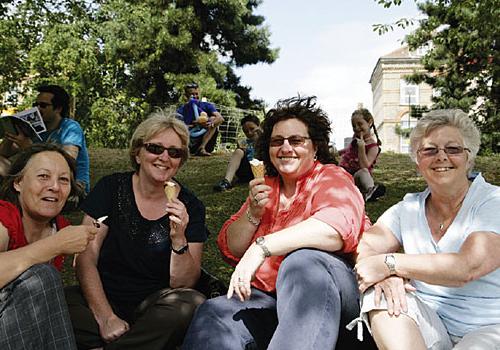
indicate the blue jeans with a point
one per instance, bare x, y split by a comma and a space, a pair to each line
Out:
316, 296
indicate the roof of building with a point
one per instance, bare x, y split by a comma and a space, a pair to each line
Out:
399, 55
401, 52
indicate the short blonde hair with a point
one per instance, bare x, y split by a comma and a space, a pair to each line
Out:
157, 122
446, 117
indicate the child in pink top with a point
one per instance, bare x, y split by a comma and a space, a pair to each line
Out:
360, 156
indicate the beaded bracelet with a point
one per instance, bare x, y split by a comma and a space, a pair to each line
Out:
251, 219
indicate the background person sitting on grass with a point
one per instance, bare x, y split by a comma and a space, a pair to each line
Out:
360, 156
239, 163
53, 103
202, 131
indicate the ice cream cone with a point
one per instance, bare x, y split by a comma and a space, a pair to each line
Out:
170, 191
203, 118
257, 168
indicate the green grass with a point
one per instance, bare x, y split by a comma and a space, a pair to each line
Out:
396, 171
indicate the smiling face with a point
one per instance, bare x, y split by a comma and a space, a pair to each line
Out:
251, 130
360, 126
45, 186
444, 169
292, 162
159, 168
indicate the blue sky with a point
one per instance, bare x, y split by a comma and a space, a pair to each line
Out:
327, 49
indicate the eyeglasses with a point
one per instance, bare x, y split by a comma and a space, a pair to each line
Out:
294, 140
449, 150
41, 104
191, 86
173, 152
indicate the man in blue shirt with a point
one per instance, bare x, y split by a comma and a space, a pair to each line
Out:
53, 103
202, 119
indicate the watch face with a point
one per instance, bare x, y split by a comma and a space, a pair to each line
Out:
390, 261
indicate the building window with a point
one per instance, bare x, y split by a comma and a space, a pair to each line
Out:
408, 93
406, 124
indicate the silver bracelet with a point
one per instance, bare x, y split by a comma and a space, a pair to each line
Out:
251, 219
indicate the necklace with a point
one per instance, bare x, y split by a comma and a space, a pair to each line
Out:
445, 223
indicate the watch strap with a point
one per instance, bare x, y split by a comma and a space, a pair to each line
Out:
181, 250
260, 241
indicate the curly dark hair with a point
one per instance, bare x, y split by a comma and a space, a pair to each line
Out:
17, 170
305, 110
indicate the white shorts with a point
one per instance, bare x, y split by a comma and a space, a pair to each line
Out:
432, 328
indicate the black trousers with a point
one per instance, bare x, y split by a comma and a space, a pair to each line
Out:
160, 321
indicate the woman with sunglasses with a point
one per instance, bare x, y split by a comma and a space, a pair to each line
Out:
443, 292
293, 286
136, 277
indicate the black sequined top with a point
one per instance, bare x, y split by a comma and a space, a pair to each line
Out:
134, 260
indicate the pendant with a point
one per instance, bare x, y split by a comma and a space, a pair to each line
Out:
441, 226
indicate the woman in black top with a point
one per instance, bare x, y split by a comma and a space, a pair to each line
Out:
136, 277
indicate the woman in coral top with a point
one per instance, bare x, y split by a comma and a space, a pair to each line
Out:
33, 239
293, 286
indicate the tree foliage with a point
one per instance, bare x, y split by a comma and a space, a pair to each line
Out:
122, 58
462, 37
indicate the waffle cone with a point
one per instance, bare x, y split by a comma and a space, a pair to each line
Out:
170, 191
258, 171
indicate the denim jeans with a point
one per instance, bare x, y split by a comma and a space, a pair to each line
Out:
316, 296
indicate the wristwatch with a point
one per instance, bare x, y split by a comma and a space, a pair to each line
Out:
181, 250
390, 262
260, 241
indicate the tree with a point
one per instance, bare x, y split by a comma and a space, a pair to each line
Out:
137, 53
462, 61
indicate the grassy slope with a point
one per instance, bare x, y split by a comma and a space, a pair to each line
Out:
396, 171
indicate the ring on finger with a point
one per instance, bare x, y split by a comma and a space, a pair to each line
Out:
255, 199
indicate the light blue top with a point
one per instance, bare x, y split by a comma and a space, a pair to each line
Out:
70, 132
477, 304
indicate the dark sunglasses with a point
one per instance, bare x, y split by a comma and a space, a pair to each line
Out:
41, 104
294, 141
191, 86
173, 152
449, 150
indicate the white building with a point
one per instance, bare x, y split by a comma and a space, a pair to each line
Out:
393, 96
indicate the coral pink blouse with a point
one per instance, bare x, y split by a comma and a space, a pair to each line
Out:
327, 193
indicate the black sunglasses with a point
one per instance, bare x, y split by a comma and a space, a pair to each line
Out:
41, 104
173, 152
191, 86
449, 150
294, 140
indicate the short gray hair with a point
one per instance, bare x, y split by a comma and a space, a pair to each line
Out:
157, 122
446, 117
